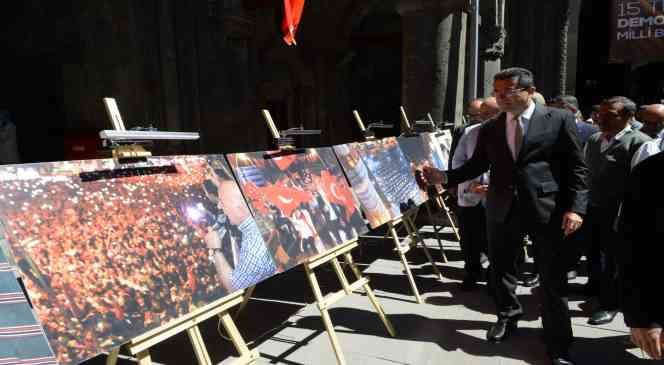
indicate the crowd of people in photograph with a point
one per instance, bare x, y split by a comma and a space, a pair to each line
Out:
109, 259
611, 190
302, 203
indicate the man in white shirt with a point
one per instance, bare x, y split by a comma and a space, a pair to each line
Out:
648, 149
652, 117
470, 196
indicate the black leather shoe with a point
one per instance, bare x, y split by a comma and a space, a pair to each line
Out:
561, 361
531, 281
602, 317
501, 330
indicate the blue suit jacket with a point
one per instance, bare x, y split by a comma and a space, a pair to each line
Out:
585, 130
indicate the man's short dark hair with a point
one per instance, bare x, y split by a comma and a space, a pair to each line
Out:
523, 77
567, 101
629, 107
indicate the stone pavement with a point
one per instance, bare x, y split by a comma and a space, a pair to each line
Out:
448, 329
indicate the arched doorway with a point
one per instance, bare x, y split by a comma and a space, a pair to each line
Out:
375, 69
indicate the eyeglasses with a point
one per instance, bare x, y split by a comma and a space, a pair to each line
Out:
507, 93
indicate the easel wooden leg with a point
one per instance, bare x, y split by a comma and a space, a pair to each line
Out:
199, 346
245, 299
436, 230
324, 302
112, 358
246, 356
144, 358
371, 295
342, 277
405, 264
327, 320
412, 230
443, 206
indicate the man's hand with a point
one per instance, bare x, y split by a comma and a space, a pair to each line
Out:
478, 188
649, 340
571, 222
433, 176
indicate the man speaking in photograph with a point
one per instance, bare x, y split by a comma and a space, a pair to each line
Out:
537, 188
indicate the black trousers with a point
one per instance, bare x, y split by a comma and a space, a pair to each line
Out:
601, 242
472, 229
552, 255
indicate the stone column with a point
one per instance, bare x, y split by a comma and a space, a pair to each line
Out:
442, 71
421, 78
563, 16
457, 79
433, 57
492, 43
573, 45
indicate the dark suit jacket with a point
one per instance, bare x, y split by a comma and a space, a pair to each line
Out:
549, 175
612, 165
640, 257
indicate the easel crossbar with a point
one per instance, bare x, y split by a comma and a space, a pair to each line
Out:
140, 345
162, 333
325, 257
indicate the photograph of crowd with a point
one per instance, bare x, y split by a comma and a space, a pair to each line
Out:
301, 201
110, 258
421, 151
373, 203
391, 175
22, 339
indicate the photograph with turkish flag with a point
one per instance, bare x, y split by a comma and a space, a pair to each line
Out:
374, 203
300, 200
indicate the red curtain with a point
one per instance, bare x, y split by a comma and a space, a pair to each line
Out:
292, 14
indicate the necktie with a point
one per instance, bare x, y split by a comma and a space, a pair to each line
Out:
518, 137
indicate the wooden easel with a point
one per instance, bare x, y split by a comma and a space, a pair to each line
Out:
324, 302
438, 199
140, 345
403, 246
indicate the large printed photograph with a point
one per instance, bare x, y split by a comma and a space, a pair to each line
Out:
373, 203
391, 175
301, 201
109, 252
423, 151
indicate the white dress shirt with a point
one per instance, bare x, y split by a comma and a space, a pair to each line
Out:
464, 151
524, 120
648, 149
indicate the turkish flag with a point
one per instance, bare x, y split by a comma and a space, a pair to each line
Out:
292, 14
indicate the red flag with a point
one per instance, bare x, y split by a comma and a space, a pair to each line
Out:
292, 14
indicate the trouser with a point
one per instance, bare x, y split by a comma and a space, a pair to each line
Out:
552, 257
601, 242
472, 229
